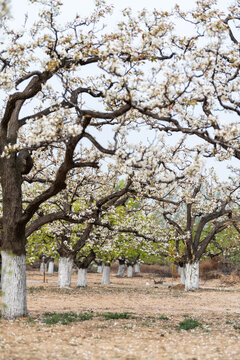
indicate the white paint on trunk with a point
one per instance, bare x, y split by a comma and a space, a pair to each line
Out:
192, 276
42, 268
106, 275
100, 269
137, 268
14, 303
51, 267
121, 270
129, 271
82, 278
65, 272
181, 271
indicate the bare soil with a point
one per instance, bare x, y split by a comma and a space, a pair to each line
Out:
152, 331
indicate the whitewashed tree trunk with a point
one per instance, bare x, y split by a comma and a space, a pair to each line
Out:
51, 267
121, 270
82, 278
65, 272
137, 268
192, 276
106, 275
100, 269
182, 271
129, 271
14, 303
42, 268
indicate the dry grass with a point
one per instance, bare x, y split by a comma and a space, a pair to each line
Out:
152, 329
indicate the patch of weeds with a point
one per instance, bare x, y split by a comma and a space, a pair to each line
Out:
30, 320
32, 290
146, 324
236, 327
151, 318
189, 324
115, 316
65, 318
229, 322
162, 317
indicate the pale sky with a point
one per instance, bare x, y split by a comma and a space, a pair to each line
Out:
84, 7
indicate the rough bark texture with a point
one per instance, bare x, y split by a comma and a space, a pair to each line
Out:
82, 278
192, 276
14, 302
65, 272
106, 275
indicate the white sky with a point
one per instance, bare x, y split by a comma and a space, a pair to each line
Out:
84, 7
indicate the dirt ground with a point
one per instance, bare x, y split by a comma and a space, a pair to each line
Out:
152, 331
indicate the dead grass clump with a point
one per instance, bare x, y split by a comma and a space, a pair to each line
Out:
232, 279
212, 274
210, 268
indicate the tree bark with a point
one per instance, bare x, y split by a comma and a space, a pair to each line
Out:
13, 242
82, 277
182, 272
192, 276
65, 272
14, 302
106, 275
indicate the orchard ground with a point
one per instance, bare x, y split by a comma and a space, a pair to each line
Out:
144, 317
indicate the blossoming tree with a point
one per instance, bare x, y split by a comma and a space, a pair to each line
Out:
65, 88
195, 212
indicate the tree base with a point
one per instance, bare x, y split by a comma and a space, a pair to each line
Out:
14, 303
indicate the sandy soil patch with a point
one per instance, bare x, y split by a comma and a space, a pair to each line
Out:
151, 331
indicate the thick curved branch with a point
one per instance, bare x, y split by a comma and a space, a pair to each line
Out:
97, 145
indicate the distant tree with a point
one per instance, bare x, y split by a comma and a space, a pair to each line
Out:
196, 213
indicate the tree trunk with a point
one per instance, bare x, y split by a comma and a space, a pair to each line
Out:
65, 272
137, 268
82, 278
51, 267
182, 271
121, 270
13, 242
100, 269
192, 276
42, 268
130, 271
14, 302
106, 275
